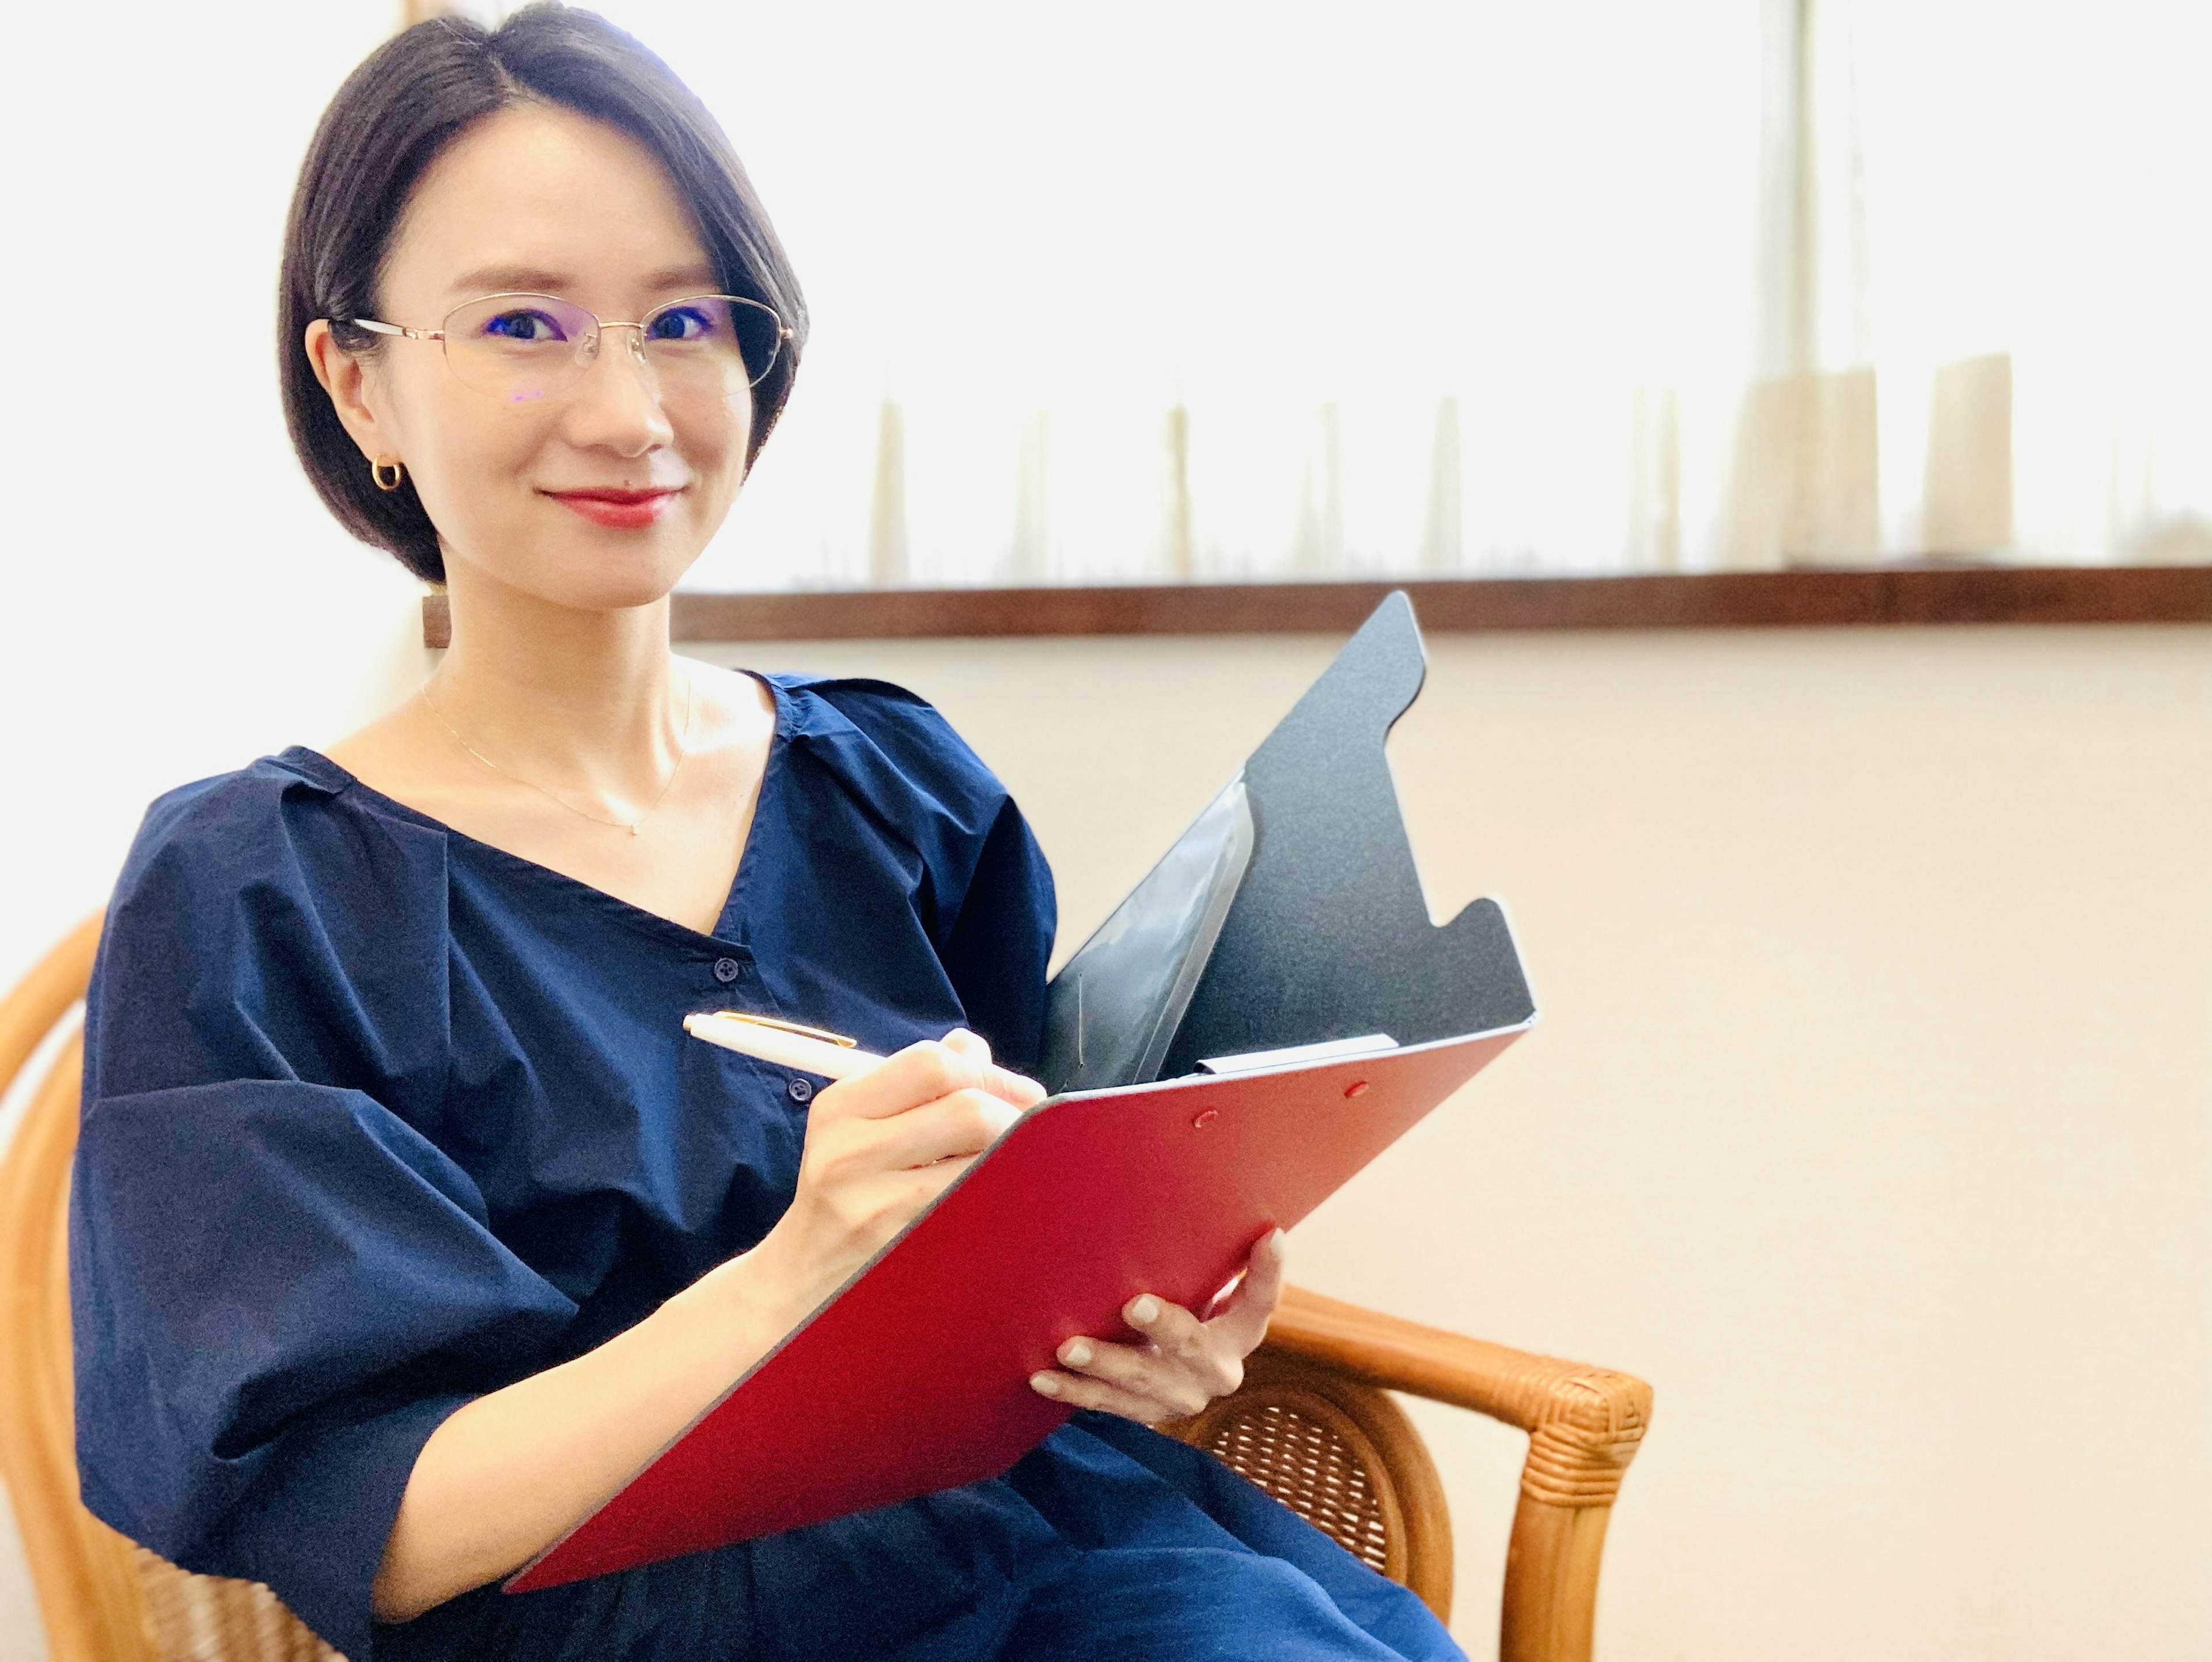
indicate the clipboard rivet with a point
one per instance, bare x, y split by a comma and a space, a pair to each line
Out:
1205, 1119
1357, 1088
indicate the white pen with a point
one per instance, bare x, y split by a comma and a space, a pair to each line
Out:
786, 1044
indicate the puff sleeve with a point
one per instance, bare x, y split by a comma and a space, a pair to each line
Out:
282, 1284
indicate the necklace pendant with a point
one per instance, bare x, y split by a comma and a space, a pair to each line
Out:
633, 829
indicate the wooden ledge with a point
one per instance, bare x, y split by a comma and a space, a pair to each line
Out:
1809, 598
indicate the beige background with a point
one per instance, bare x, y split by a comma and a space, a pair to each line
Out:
1867, 1117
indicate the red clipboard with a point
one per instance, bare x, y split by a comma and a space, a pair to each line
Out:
914, 1376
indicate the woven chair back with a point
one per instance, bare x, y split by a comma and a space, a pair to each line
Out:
1344, 1458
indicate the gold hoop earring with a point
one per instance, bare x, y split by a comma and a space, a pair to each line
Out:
376, 472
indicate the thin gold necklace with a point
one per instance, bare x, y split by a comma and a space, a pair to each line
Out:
683, 755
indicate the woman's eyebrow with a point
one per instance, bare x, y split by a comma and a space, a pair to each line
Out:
537, 280
692, 278
511, 280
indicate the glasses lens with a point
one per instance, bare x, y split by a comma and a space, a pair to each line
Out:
712, 343
520, 348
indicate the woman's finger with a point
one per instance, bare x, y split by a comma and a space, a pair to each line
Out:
969, 1043
1186, 1383
964, 1123
1175, 1330
1020, 1089
1077, 1391
1242, 1321
920, 1073
1115, 1364
1001, 1082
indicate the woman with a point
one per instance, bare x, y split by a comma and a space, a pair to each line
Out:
407, 1223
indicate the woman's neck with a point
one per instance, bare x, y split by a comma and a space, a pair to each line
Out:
557, 694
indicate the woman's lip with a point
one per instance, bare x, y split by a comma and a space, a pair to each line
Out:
629, 510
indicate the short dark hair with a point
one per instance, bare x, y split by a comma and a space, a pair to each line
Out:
395, 114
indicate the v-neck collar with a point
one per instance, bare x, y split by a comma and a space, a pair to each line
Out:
312, 765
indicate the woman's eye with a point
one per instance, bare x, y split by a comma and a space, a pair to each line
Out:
529, 326
685, 323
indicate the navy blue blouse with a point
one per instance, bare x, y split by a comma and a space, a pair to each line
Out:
379, 1118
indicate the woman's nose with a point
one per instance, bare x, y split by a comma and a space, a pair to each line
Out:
618, 402
632, 332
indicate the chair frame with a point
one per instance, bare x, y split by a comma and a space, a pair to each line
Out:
1584, 1426
106, 1600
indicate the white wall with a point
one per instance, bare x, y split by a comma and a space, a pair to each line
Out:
172, 595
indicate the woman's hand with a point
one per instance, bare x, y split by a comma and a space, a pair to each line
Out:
880, 1147
506, 1475
1183, 1363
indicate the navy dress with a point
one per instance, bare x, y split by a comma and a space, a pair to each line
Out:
379, 1118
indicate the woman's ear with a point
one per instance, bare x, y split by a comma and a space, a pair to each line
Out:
344, 377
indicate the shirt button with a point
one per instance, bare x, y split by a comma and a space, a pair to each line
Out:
728, 970
802, 1090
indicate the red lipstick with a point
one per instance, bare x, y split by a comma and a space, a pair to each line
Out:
630, 510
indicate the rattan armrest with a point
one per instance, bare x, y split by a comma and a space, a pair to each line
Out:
1584, 1425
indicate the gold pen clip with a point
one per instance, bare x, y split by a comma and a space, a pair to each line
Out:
800, 1028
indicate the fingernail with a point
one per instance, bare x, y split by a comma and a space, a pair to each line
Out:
1078, 1354
1144, 1311
1044, 1384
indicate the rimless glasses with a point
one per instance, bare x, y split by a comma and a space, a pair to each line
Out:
522, 349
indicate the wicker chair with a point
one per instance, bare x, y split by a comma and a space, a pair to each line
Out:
1313, 1426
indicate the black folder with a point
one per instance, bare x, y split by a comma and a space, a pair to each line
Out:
1291, 911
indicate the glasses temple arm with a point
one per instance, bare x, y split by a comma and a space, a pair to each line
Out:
373, 326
